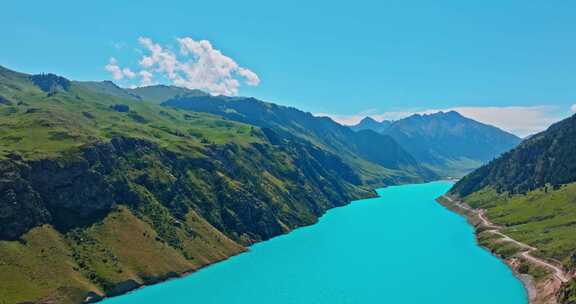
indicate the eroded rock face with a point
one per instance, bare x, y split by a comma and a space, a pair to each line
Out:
21, 207
35, 193
73, 192
50, 82
250, 193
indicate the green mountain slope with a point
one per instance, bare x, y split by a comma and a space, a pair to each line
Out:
161, 93
102, 191
531, 191
108, 88
378, 156
447, 142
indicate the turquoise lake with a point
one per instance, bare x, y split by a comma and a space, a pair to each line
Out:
401, 247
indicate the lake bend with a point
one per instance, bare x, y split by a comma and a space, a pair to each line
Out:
401, 247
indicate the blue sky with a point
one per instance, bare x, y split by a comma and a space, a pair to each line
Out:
511, 63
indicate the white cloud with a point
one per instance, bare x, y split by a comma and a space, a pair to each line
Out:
520, 120
251, 77
114, 69
196, 65
573, 108
128, 73
117, 72
146, 78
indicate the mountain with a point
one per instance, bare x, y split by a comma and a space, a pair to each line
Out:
369, 123
547, 158
531, 192
103, 190
108, 88
155, 94
388, 161
448, 143
377, 157
161, 93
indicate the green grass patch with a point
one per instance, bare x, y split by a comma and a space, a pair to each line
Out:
543, 218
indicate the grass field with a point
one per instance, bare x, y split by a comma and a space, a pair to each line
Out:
120, 249
37, 124
543, 218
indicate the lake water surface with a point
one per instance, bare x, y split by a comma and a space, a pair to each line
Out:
402, 247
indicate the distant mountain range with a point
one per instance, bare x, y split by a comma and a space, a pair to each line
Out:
447, 143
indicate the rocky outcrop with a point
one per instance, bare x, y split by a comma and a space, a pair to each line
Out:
21, 206
50, 83
247, 192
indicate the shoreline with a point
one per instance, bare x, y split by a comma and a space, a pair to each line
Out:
536, 292
98, 298
93, 297
102, 298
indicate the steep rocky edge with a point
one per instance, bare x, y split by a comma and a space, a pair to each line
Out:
188, 212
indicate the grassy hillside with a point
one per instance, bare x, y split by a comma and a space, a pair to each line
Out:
547, 158
531, 192
111, 256
38, 124
378, 157
543, 218
161, 93
102, 191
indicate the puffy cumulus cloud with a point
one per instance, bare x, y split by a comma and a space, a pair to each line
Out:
196, 64
520, 120
146, 78
573, 108
128, 73
117, 72
253, 79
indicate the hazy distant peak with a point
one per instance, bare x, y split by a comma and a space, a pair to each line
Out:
369, 123
368, 119
437, 115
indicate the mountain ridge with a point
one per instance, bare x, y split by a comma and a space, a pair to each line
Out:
322, 131
369, 123
449, 143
